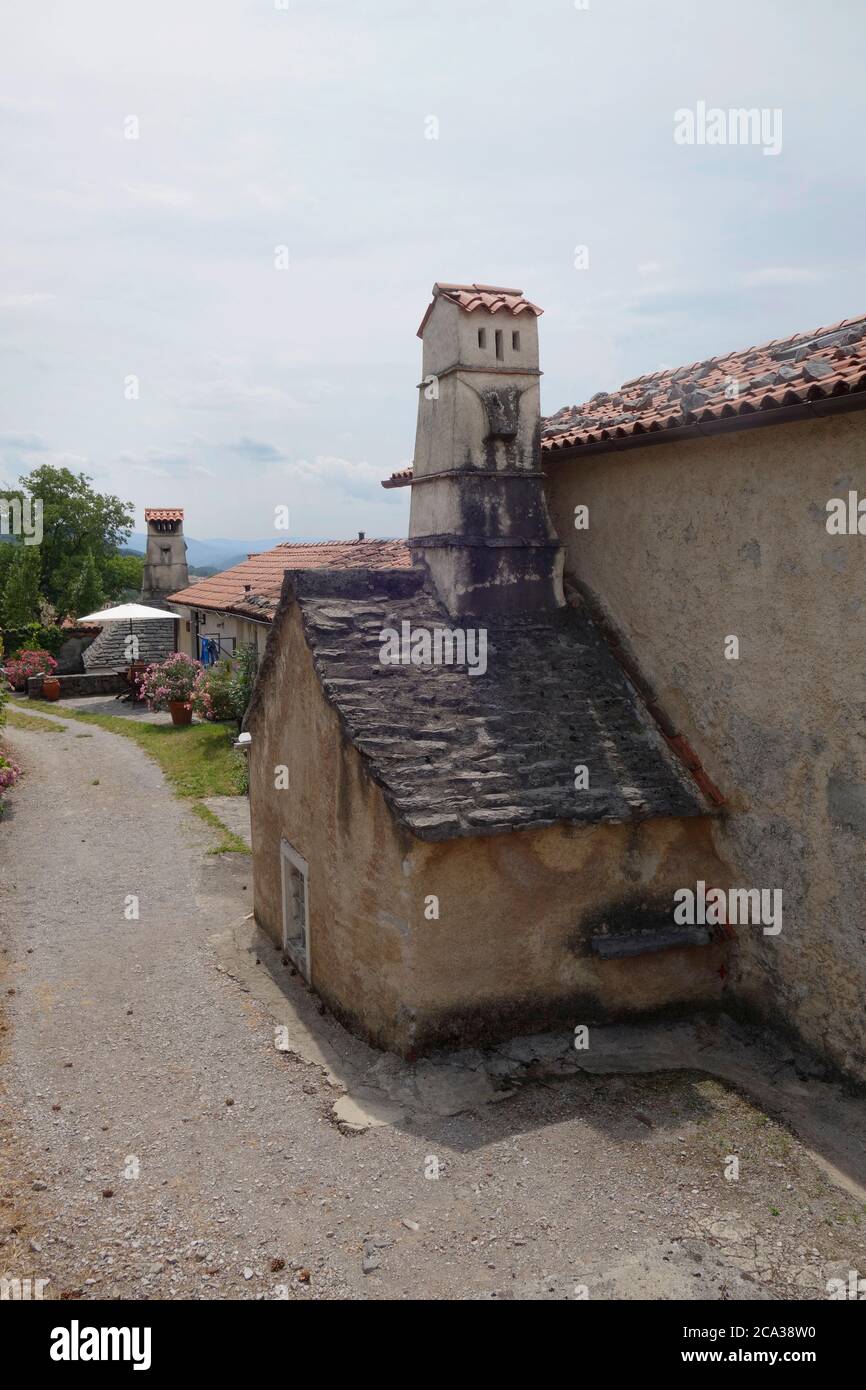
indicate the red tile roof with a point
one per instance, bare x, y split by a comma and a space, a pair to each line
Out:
163, 513
252, 588
495, 299
787, 372
401, 478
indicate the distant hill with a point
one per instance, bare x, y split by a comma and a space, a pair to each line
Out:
221, 553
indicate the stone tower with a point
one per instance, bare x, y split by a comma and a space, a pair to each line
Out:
479, 519
165, 567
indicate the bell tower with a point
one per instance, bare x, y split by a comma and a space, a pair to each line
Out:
165, 567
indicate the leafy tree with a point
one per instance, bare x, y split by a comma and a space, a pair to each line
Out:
76, 521
86, 594
20, 598
121, 578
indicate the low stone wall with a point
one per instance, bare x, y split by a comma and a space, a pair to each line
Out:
97, 683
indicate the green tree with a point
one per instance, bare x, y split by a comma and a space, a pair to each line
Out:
86, 593
20, 599
121, 578
76, 521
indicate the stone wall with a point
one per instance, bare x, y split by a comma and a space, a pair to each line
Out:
688, 544
99, 683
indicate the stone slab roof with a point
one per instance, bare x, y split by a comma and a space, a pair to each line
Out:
458, 754
155, 643
252, 588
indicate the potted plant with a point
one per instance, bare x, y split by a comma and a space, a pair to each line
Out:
169, 685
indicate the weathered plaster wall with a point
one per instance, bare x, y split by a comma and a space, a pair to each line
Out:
694, 541
510, 949
336, 818
165, 564
222, 625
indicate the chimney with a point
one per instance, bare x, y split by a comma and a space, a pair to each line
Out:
479, 519
361, 535
165, 567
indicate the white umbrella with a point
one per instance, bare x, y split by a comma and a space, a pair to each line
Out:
127, 612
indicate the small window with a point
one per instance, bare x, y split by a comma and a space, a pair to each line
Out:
499, 352
515, 341
482, 337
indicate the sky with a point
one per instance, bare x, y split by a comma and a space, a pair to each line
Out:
154, 157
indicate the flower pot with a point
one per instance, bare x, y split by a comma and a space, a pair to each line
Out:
181, 713
51, 688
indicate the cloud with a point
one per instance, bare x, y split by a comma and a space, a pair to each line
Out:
23, 443
24, 300
227, 394
257, 450
357, 479
779, 275
158, 195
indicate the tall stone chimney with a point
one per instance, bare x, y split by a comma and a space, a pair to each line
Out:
479, 520
165, 567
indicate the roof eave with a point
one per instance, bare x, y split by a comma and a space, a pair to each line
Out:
755, 419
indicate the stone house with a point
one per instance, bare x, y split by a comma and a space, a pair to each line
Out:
722, 500
466, 821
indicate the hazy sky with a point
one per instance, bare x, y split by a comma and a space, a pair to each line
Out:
306, 127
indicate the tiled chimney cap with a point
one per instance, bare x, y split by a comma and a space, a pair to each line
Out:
163, 513
494, 298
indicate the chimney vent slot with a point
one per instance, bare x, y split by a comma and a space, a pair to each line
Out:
499, 351
482, 337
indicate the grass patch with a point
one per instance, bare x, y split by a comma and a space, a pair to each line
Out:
230, 843
198, 759
16, 720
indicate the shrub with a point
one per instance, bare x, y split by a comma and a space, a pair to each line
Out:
247, 664
9, 773
170, 681
215, 694
19, 670
34, 637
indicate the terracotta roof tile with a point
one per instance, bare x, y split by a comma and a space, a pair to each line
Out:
163, 513
496, 299
252, 588
785, 372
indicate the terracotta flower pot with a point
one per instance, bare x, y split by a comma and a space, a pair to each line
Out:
181, 713
51, 688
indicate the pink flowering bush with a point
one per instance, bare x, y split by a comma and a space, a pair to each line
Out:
170, 681
9, 774
19, 670
215, 694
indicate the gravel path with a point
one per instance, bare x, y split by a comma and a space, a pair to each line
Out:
155, 1144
